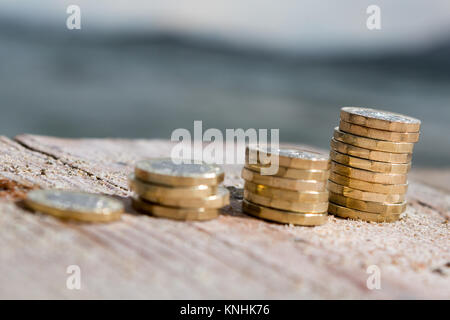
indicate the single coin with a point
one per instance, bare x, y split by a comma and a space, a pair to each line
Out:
291, 173
378, 134
150, 191
215, 201
73, 205
370, 154
364, 195
368, 186
379, 119
320, 207
288, 157
283, 183
369, 176
370, 165
286, 195
368, 206
166, 172
373, 144
174, 213
281, 216
344, 212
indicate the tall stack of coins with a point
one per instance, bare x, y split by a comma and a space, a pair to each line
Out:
371, 155
295, 194
178, 191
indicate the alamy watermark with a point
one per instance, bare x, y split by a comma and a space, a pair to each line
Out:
73, 281
373, 21
229, 150
374, 280
73, 21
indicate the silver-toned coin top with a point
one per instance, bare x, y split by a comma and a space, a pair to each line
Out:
293, 153
167, 167
381, 115
74, 201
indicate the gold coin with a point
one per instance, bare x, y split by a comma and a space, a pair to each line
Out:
364, 195
379, 119
373, 144
73, 205
368, 186
369, 176
291, 173
288, 157
344, 212
283, 183
215, 201
370, 165
370, 154
287, 195
166, 172
320, 207
378, 134
174, 213
281, 216
150, 191
368, 206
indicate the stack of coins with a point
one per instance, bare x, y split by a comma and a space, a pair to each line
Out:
178, 191
371, 155
295, 194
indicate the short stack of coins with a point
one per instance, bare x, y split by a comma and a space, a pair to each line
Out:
295, 193
170, 189
371, 155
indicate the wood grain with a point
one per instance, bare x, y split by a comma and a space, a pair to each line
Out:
234, 256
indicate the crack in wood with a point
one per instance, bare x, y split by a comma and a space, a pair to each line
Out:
421, 203
27, 146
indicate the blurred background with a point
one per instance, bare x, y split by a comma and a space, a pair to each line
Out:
144, 68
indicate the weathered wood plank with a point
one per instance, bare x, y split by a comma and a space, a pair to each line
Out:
21, 167
234, 256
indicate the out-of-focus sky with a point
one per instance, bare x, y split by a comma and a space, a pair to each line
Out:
308, 26
141, 68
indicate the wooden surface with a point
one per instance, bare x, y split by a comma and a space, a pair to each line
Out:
234, 256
